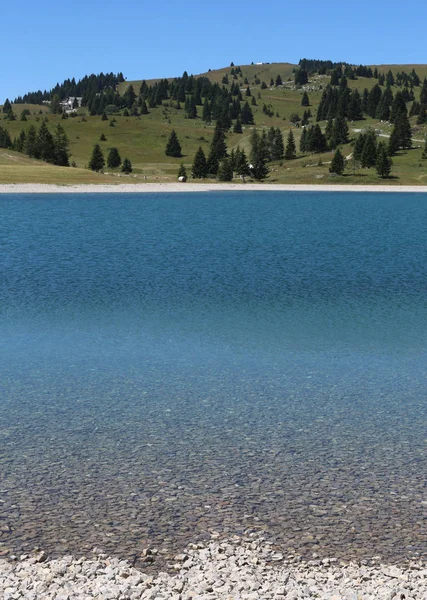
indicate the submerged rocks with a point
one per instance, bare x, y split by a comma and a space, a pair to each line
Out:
236, 569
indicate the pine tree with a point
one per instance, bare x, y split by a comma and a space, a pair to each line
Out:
173, 147
291, 150
338, 163
393, 142
7, 106
424, 154
277, 149
5, 141
247, 115
279, 81
403, 129
45, 144
237, 126
61, 147
369, 152
31, 142
358, 147
241, 164
218, 150
383, 162
97, 161
225, 170
303, 141
113, 160
207, 113
129, 96
259, 155
305, 100
144, 109
127, 166
182, 171
199, 168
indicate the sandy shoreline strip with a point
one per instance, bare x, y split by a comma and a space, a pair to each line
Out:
41, 188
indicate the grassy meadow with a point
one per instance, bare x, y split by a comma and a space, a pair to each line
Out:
143, 139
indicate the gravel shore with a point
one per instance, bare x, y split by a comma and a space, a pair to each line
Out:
235, 569
138, 188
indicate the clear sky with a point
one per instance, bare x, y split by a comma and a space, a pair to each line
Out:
44, 43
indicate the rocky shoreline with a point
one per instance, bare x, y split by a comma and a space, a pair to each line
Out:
239, 568
138, 188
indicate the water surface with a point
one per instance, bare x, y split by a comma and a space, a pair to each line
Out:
173, 365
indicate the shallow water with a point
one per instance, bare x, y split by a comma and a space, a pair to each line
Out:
173, 365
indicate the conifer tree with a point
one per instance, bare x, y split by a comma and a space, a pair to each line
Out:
358, 147
144, 109
424, 154
403, 129
393, 142
277, 149
127, 166
225, 170
291, 150
61, 147
45, 144
303, 141
199, 168
337, 163
31, 142
7, 106
207, 113
5, 141
182, 171
305, 100
278, 81
218, 150
369, 152
237, 126
383, 162
247, 116
97, 161
113, 160
241, 164
173, 147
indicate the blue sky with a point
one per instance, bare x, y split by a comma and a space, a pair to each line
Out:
43, 43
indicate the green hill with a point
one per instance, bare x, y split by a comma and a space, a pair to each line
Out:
143, 138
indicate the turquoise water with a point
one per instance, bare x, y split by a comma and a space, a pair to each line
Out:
173, 365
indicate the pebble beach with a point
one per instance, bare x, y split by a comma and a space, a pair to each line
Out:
240, 568
138, 188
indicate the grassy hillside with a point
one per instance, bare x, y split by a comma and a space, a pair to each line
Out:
143, 139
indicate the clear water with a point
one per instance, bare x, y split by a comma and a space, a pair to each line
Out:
173, 365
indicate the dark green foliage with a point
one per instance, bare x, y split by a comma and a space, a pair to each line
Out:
398, 107
337, 163
291, 149
129, 96
403, 130
173, 147
301, 77
384, 105
263, 85
303, 140
278, 81
182, 171
199, 168
241, 165
61, 154
383, 162
55, 105
259, 155
334, 78
305, 100
248, 92
393, 142
358, 147
97, 161
31, 142
20, 142
247, 116
45, 144
104, 117
369, 152
144, 108
354, 108
422, 115
316, 140
218, 150
102, 137
7, 106
207, 113
339, 133
114, 159
225, 170
127, 166
5, 141
277, 147
237, 126
389, 79
424, 154
373, 100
